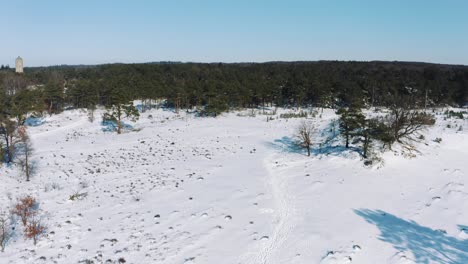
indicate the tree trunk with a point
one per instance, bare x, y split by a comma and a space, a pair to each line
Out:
50, 108
26, 163
263, 103
119, 117
8, 148
365, 147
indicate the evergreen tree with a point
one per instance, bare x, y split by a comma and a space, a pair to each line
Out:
8, 131
215, 107
368, 132
23, 103
54, 96
351, 121
83, 94
120, 107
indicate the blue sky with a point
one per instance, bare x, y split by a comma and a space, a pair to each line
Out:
50, 32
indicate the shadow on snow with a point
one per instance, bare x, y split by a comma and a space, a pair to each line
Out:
426, 244
33, 121
285, 144
289, 145
111, 126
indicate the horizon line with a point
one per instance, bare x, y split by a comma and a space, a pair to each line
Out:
243, 62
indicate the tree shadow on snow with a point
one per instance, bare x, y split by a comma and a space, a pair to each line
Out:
334, 150
289, 145
33, 121
286, 144
426, 244
111, 126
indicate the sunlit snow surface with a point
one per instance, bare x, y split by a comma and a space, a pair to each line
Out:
232, 189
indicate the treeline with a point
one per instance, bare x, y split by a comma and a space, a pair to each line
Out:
219, 86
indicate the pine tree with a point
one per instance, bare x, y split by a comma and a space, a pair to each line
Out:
120, 107
368, 132
54, 95
351, 121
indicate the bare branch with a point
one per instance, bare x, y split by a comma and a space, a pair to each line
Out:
304, 135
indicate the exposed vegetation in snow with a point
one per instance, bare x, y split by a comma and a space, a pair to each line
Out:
177, 188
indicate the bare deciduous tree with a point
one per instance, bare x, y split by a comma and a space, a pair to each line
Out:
404, 123
304, 135
35, 228
24, 209
5, 230
400, 124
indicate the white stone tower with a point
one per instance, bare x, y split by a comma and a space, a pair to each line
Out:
19, 65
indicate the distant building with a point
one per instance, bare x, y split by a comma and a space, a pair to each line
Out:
19, 65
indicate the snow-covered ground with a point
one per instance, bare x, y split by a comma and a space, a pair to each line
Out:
233, 189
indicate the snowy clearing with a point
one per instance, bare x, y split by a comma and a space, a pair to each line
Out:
233, 189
